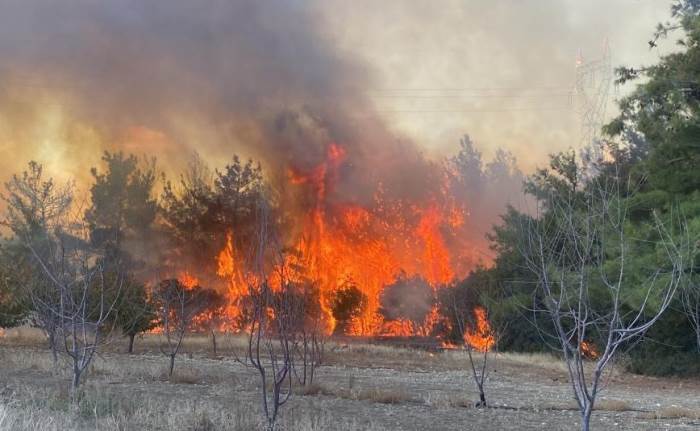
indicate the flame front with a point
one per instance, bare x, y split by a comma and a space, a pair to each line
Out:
368, 245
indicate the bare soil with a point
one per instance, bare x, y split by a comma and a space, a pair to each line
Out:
360, 387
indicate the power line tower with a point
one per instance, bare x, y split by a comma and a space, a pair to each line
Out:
593, 82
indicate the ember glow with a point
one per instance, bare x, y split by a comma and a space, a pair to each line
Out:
588, 350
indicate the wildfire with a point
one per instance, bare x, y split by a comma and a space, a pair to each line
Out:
481, 336
369, 244
372, 245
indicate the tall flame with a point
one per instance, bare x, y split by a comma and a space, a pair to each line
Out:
229, 268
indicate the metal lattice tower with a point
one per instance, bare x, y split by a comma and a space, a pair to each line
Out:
593, 82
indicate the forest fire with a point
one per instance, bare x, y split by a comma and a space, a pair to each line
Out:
363, 247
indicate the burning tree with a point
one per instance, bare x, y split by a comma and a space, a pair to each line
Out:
348, 305
473, 328
408, 303
582, 255
479, 338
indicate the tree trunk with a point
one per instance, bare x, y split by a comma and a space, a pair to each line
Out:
482, 398
75, 383
586, 417
172, 364
131, 343
213, 341
52, 346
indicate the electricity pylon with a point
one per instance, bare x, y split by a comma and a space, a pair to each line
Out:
593, 82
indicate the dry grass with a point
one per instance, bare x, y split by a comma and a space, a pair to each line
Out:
672, 412
386, 396
23, 336
100, 410
132, 392
612, 405
542, 360
311, 390
373, 395
362, 355
603, 405
440, 400
183, 375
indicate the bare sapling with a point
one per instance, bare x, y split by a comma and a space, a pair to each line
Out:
309, 334
480, 341
35, 208
581, 255
80, 292
690, 293
272, 313
176, 308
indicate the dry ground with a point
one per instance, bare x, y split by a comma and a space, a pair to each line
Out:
361, 387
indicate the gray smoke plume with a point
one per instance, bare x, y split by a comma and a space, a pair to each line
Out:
218, 76
255, 78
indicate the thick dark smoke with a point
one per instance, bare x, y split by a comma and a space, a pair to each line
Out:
247, 77
218, 76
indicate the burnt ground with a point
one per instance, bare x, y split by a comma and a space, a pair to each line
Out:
360, 387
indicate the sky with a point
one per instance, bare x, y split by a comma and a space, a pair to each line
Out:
169, 78
501, 71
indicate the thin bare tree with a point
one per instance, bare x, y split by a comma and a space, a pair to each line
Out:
309, 337
690, 293
37, 206
177, 306
272, 309
580, 252
83, 289
480, 340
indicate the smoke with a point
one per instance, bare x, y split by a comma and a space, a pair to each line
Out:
258, 79
502, 70
165, 78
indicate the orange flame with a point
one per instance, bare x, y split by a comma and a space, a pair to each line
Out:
370, 243
229, 268
588, 350
481, 336
188, 280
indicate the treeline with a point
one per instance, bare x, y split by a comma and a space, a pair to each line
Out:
152, 233
636, 209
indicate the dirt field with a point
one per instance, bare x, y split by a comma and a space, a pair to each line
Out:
361, 387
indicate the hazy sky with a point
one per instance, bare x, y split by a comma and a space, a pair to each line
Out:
166, 78
501, 70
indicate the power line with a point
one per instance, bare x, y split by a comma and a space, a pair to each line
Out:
438, 111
